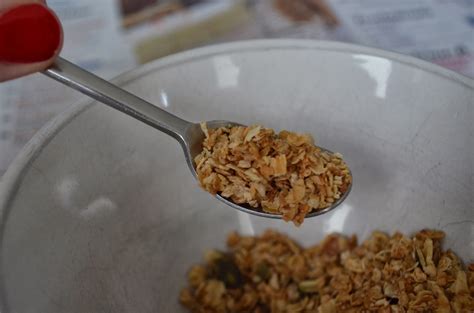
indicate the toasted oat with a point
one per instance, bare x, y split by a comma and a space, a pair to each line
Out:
272, 273
281, 173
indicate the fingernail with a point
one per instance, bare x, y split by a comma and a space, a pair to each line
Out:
28, 33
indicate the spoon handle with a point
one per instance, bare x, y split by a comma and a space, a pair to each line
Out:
103, 91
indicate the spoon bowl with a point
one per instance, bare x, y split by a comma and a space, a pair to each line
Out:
188, 134
193, 138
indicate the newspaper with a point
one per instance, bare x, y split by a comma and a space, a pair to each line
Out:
111, 36
439, 31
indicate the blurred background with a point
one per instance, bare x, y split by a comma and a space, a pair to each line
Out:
109, 37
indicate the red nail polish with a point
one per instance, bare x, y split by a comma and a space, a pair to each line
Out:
28, 33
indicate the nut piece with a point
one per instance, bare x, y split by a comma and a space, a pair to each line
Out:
281, 173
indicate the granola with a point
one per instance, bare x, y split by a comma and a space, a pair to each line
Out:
272, 273
282, 173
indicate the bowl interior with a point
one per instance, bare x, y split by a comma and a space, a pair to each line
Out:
107, 217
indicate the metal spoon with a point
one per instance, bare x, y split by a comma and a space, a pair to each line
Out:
188, 134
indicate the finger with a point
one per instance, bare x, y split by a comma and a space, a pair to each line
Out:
30, 38
8, 71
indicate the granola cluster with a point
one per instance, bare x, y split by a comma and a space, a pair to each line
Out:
272, 273
282, 173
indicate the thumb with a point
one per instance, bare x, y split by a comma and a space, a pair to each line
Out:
30, 39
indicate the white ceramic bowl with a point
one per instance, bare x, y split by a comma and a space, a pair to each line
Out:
101, 214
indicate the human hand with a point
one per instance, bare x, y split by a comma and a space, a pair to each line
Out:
30, 37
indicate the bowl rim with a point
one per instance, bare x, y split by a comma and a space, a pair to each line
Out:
13, 177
